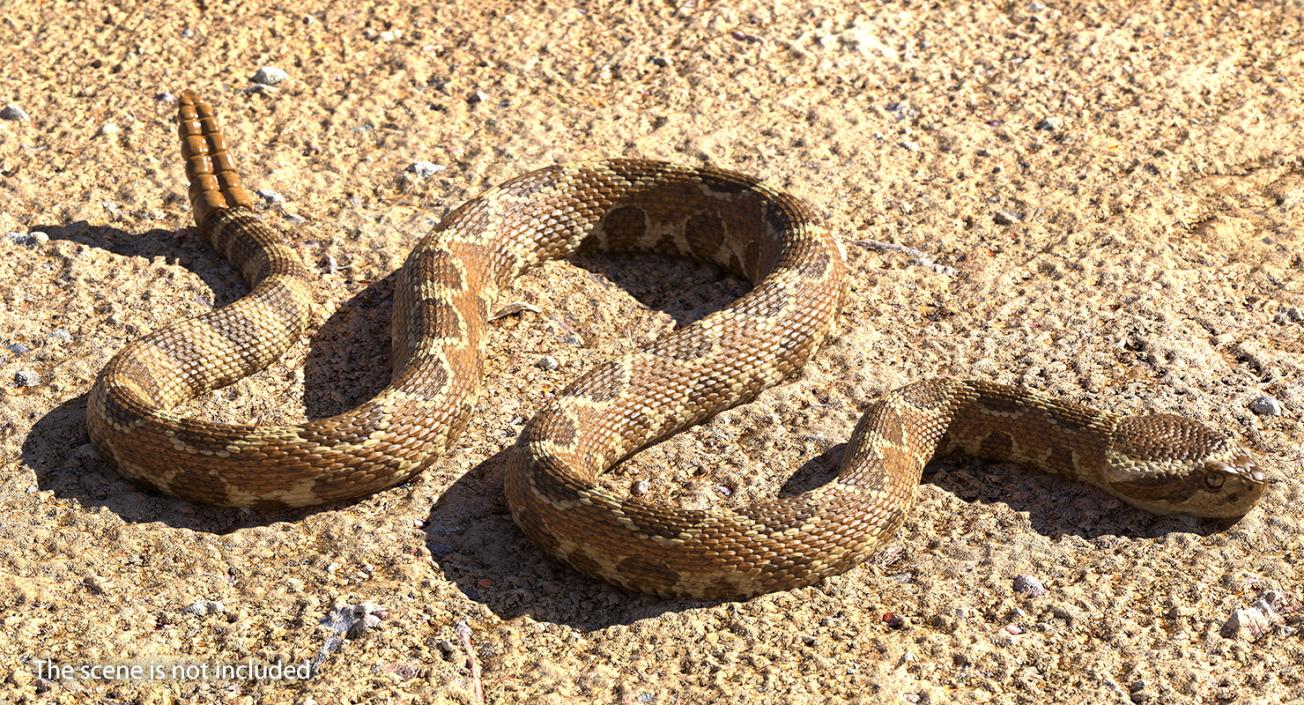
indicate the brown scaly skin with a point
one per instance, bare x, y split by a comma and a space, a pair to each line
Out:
442, 300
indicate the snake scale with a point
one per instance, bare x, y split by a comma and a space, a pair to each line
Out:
443, 297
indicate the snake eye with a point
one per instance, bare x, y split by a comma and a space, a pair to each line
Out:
1214, 479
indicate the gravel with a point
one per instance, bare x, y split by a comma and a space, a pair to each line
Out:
26, 378
1007, 218
547, 362
424, 169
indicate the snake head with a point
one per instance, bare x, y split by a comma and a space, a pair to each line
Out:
1176, 465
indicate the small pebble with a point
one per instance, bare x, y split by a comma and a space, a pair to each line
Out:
109, 128
446, 649
270, 196
894, 620
204, 608
1248, 623
60, 334
547, 362
661, 61
1007, 217
269, 76
1266, 406
18, 348
640, 488
1013, 629
31, 239
477, 97
165, 97
1029, 585
1291, 315
424, 169
27, 378
354, 620
13, 112
912, 146
1050, 124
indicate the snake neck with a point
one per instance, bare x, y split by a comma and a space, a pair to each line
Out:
1010, 424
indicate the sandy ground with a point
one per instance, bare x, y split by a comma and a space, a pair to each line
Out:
1111, 200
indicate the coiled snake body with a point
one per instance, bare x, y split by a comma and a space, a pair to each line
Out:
443, 297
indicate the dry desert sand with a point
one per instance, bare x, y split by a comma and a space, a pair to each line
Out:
1100, 200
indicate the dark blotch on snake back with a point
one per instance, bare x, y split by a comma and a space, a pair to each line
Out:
688, 345
657, 573
445, 320
816, 265
890, 425
997, 445
580, 559
796, 511
1001, 404
553, 489
705, 233
624, 226
719, 184
558, 427
440, 265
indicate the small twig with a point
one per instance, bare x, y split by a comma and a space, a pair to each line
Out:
917, 256
472, 663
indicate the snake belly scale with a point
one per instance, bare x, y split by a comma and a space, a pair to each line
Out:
443, 296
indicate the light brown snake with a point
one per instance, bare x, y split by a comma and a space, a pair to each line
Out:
443, 297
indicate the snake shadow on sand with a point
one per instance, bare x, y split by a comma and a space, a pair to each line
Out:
344, 366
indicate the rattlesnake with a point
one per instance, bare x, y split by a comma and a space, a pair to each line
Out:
443, 297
